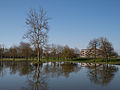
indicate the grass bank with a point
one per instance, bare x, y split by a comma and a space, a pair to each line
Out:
77, 60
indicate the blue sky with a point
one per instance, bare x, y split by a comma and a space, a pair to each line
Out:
74, 22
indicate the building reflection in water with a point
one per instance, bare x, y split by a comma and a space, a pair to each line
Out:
101, 74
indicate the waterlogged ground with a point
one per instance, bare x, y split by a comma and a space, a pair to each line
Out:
58, 76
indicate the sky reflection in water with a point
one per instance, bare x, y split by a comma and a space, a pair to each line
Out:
58, 76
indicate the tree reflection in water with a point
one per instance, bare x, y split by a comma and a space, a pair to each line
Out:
67, 68
101, 74
37, 75
37, 80
23, 68
1, 69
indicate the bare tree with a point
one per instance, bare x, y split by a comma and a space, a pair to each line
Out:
101, 47
38, 29
26, 50
106, 48
53, 51
93, 48
1, 51
13, 52
68, 53
59, 51
47, 51
77, 52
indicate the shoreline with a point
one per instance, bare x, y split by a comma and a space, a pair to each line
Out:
98, 61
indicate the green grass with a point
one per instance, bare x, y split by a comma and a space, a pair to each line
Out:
79, 60
16, 59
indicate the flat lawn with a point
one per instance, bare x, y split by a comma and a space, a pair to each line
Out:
79, 60
16, 59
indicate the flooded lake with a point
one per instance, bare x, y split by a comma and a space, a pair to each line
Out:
58, 76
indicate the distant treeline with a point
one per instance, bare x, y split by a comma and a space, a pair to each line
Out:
24, 50
97, 48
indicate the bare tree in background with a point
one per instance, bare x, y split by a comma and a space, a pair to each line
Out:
93, 45
68, 53
26, 50
106, 48
1, 51
101, 47
77, 52
47, 51
59, 51
38, 29
13, 52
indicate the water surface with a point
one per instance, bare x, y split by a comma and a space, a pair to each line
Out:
58, 76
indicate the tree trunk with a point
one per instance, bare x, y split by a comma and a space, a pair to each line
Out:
95, 53
1, 56
38, 55
38, 52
